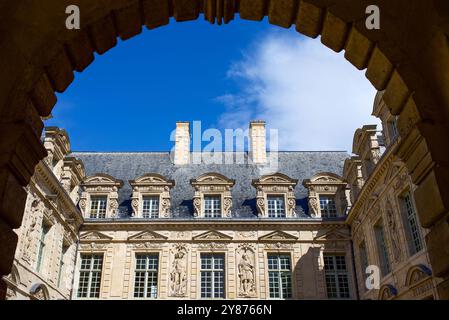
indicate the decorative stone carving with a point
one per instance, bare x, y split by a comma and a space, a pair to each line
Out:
275, 184
212, 246
246, 271
36, 211
394, 233
212, 184
326, 184
151, 184
100, 185
178, 274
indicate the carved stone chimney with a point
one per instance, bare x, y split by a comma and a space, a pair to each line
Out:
182, 143
257, 142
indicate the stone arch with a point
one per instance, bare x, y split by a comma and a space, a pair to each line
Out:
14, 276
43, 55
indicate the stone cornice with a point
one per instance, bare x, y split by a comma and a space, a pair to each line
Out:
49, 178
370, 184
234, 224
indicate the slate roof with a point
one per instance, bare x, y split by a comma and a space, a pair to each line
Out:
129, 166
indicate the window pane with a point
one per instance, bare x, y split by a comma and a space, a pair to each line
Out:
150, 207
327, 206
382, 250
279, 276
336, 275
413, 231
276, 207
98, 207
90, 276
212, 206
212, 276
146, 275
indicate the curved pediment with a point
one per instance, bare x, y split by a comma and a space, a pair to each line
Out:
102, 179
276, 178
387, 292
416, 274
152, 179
212, 178
326, 177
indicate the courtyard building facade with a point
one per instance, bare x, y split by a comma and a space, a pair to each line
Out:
154, 225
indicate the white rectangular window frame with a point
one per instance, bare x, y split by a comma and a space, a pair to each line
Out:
146, 274
98, 206
382, 250
212, 205
276, 206
90, 274
150, 206
279, 275
337, 276
328, 206
412, 228
45, 229
212, 276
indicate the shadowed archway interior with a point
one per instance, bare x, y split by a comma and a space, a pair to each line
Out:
408, 58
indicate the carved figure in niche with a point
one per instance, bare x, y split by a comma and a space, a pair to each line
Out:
246, 274
36, 209
394, 232
178, 276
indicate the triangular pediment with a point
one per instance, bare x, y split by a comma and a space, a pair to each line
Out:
332, 235
278, 236
147, 235
212, 235
94, 235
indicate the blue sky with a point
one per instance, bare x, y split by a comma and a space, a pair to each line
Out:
130, 98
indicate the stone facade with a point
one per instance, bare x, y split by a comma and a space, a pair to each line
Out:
94, 231
46, 252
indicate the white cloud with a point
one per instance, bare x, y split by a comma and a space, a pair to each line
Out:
313, 96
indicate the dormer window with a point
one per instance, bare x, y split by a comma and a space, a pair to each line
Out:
98, 207
327, 195
275, 197
151, 196
276, 206
99, 196
212, 197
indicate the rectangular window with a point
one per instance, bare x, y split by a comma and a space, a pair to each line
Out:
212, 276
337, 279
276, 206
412, 225
61, 263
327, 207
212, 206
382, 249
98, 207
280, 276
90, 276
41, 250
145, 279
150, 207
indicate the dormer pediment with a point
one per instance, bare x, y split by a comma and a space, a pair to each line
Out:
275, 179
152, 179
102, 179
212, 179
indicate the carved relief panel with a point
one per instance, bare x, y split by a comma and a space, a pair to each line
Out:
246, 271
178, 270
